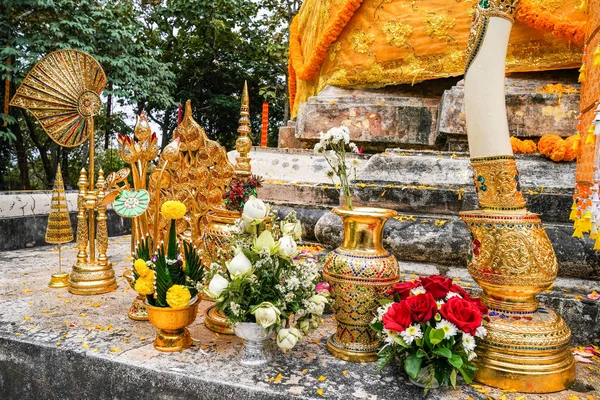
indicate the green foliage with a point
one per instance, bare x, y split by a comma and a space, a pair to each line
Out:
163, 279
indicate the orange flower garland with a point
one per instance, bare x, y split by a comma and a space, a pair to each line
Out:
522, 146
547, 22
308, 69
559, 149
291, 84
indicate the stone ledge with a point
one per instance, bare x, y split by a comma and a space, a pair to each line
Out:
34, 366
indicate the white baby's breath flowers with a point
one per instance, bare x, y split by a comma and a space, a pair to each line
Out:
411, 333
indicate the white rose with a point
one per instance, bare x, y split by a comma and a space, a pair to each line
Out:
255, 211
287, 338
239, 265
287, 247
266, 314
216, 286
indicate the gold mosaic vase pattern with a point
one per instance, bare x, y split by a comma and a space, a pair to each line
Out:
497, 183
527, 345
360, 272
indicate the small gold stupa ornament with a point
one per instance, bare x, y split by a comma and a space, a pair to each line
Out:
526, 348
243, 144
63, 92
59, 229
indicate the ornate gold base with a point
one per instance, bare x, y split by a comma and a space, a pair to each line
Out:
526, 352
216, 321
171, 341
530, 356
138, 310
346, 354
88, 279
60, 280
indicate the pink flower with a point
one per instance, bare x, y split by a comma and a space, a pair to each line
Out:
322, 286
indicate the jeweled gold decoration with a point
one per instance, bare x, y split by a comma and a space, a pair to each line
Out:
360, 273
63, 92
526, 348
59, 229
497, 183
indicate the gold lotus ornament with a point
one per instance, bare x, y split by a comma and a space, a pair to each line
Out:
63, 91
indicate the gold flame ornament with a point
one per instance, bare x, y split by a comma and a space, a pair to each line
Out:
63, 92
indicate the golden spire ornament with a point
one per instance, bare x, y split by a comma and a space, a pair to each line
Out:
62, 92
59, 229
243, 144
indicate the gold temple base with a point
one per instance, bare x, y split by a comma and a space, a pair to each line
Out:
171, 341
60, 280
346, 354
89, 279
138, 310
526, 352
216, 321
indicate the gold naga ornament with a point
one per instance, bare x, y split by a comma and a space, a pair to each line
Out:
59, 229
215, 232
62, 92
526, 348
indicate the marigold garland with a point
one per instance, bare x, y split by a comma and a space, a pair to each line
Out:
522, 146
308, 68
291, 84
545, 21
559, 149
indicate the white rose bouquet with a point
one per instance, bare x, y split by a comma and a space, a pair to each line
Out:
266, 282
333, 146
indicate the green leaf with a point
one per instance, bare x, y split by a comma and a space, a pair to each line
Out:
398, 339
386, 355
443, 352
377, 326
421, 353
412, 365
456, 361
384, 302
453, 378
467, 373
436, 336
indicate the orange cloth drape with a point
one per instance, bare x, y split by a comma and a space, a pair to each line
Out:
373, 43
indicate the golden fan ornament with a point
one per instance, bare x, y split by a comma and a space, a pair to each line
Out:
63, 91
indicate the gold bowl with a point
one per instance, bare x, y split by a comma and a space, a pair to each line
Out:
137, 311
172, 334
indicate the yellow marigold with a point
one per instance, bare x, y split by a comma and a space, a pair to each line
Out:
178, 297
572, 148
528, 147
144, 286
516, 144
547, 143
142, 268
173, 209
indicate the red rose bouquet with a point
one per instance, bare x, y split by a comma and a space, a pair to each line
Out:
431, 326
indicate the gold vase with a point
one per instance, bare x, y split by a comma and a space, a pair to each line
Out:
215, 237
137, 311
527, 345
172, 334
360, 272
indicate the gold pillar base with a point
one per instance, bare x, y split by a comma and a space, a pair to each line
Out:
342, 352
171, 341
89, 279
138, 310
60, 280
216, 321
526, 352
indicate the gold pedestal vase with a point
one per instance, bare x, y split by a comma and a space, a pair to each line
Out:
137, 311
360, 272
59, 280
172, 333
527, 345
215, 238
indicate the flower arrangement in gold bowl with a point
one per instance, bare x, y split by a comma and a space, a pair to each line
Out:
169, 278
266, 289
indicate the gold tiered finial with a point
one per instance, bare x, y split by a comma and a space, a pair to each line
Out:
243, 144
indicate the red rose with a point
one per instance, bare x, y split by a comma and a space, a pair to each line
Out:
437, 285
397, 317
463, 293
479, 304
462, 313
403, 289
422, 307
